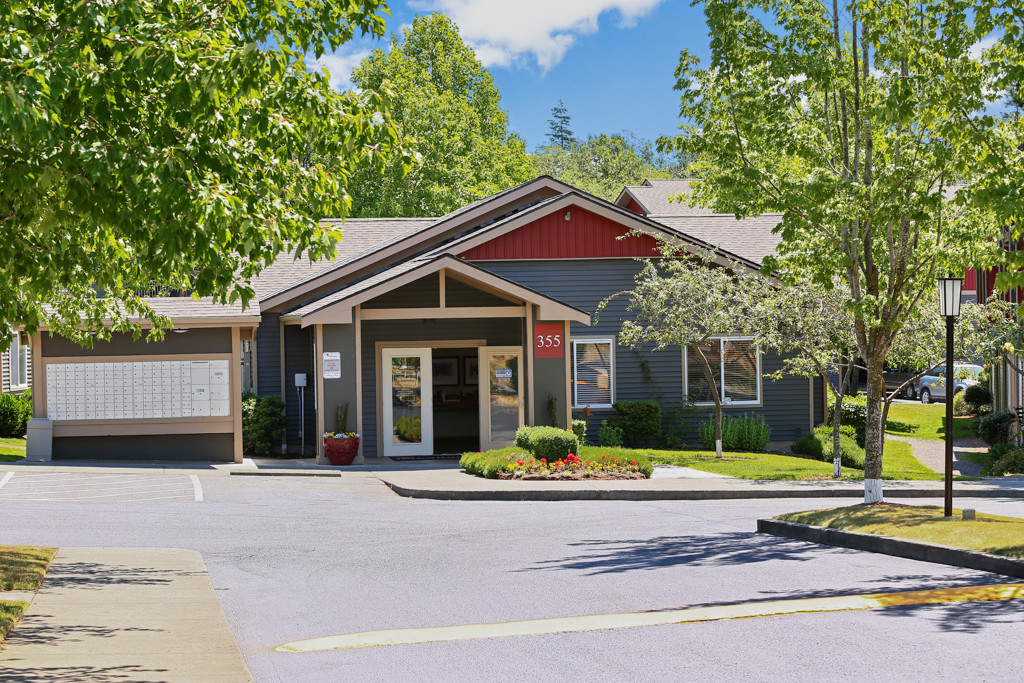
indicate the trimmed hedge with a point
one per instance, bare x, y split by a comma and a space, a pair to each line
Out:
638, 420
579, 428
979, 397
997, 428
15, 412
818, 444
609, 435
1010, 462
549, 443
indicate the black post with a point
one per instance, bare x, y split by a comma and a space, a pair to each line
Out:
949, 416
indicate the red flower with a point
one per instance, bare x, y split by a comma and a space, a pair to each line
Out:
603, 457
632, 462
543, 459
519, 462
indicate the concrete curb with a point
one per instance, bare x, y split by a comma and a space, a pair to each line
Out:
898, 547
288, 473
526, 495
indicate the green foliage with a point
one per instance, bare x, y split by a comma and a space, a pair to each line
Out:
978, 397
15, 412
609, 434
409, 429
552, 410
489, 463
163, 144
854, 412
448, 102
678, 423
549, 443
960, 406
819, 445
603, 164
579, 428
560, 127
639, 421
997, 428
341, 419
746, 432
1010, 462
263, 422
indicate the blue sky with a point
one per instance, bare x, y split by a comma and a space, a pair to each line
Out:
610, 61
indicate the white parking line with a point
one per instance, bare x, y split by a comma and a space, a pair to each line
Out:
196, 487
7, 478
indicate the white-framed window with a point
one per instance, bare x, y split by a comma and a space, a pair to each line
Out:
19, 361
593, 372
736, 366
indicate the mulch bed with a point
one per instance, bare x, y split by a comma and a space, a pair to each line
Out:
567, 476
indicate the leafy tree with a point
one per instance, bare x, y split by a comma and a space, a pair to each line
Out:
831, 116
688, 301
155, 143
447, 100
560, 127
603, 164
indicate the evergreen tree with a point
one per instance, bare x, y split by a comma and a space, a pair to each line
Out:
559, 127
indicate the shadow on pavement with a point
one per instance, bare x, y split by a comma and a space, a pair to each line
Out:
91, 575
82, 674
32, 631
610, 557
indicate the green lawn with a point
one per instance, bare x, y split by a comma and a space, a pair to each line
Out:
10, 613
22, 567
926, 421
989, 533
898, 463
12, 449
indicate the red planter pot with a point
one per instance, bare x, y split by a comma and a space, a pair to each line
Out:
341, 451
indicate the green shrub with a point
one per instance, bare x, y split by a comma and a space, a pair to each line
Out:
552, 409
997, 428
854, 412
739, 433
263, 422
15, 412
489, 463
979, 397
579, 428
609, 434
961, 408
409, 429
1010, 462
678, 423
638, 420
549, 443
818, 444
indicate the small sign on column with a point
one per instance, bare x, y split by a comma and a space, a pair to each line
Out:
332, 365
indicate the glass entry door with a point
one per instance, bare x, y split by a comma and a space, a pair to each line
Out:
501, 395
407, 398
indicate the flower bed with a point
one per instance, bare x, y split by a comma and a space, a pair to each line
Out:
590, 463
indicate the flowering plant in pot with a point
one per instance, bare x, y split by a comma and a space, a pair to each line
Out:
341, 446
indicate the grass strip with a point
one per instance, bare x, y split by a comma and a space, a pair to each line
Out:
897, 463
12, 449
927, 421
10, 613
988, 533
22, 566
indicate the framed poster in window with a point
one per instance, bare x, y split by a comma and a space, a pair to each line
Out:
472, 374
446, 372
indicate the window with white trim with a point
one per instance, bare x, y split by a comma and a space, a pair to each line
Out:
19, 361
593, 373
735, 364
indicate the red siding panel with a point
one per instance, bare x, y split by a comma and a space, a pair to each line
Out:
970, 280
635, 206
584, 235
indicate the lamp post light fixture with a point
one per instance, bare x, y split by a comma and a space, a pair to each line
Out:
949, 306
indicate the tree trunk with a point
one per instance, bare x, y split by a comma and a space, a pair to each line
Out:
718, 429
874, 431
837, 451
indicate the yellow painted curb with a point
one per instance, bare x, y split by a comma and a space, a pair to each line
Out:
597, 622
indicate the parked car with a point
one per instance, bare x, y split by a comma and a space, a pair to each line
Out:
932, 387
896, 375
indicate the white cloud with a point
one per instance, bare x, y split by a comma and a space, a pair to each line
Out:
506, 33
339, 67
982, 45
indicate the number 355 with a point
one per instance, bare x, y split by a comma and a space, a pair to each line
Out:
548, 340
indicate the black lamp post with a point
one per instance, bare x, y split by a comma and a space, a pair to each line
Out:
949, 306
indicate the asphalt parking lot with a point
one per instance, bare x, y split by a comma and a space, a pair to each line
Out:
106, 487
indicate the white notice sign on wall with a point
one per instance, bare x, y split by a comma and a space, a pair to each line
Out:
332, 365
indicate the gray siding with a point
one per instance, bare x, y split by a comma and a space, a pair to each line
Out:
641, 374
197, 340
457, 293
496, 332
423, 293
5, 378
298, 343
268, 355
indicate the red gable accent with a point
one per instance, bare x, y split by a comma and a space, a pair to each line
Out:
634, 205
584, 235
970, 280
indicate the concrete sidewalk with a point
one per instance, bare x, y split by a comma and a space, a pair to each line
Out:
452, 484
124, 614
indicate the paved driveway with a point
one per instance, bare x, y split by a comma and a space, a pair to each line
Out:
91, 486
301, 558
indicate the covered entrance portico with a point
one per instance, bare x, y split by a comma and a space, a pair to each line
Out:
437, 357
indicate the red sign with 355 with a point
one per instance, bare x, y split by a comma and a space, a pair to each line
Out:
548, 341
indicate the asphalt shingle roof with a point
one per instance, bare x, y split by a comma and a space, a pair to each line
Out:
750, 238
